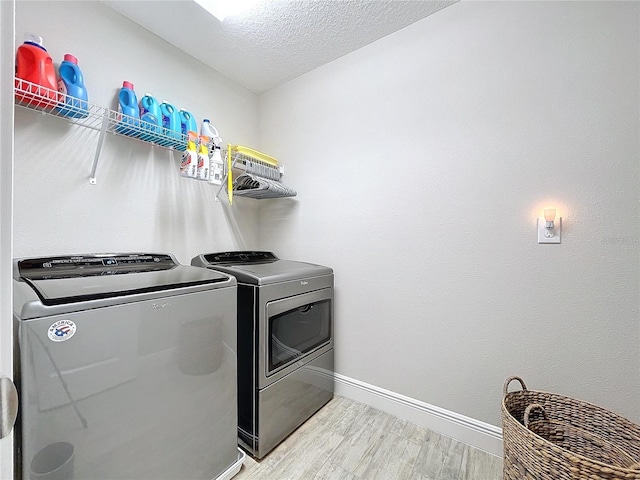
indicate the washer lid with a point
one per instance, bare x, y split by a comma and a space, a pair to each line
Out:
259, 268
68, 279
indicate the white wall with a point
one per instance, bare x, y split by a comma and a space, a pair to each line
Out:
421, 163
139, 203
7, 10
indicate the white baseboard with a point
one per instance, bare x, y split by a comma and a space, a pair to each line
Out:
459, 427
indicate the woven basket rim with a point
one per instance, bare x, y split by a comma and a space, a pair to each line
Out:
552, 445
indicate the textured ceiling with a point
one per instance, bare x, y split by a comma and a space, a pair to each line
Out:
277, 40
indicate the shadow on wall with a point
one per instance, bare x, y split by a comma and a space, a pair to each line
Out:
277, 218
173, 199
52, 147
269, 215
234, 225
238, 218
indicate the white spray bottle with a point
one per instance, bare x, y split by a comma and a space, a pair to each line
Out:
216, 167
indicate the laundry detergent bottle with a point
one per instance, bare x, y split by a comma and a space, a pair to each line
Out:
209, 130
71, 85
151, 118
187, 122
171, 127
36, 83
129, 118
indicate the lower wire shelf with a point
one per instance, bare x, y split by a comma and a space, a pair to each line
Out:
259, 178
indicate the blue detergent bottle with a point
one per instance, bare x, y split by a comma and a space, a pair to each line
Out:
129, 120
187, 124
171, 128
71, 84
151, 118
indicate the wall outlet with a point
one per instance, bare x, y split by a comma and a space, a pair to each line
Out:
549, 235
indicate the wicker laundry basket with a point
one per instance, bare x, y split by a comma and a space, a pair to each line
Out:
576, 440
529, 456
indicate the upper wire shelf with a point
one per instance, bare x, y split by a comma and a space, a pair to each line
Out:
51, 102
83, 113
89, 115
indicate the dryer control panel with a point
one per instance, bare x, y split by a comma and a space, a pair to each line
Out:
243, 258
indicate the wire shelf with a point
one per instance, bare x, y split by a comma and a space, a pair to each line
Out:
255, 166
261, 174
51, 102
89, 115
260, 178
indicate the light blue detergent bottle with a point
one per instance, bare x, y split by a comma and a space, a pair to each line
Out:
71, 84
188, 124
171, 128
151, 118
129, 120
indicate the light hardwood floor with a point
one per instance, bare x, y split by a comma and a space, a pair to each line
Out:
347, 440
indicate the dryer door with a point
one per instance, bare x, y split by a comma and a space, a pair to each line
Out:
297, 330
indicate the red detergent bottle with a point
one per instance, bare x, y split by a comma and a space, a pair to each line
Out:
36, 82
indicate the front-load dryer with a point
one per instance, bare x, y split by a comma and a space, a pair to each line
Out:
285, 343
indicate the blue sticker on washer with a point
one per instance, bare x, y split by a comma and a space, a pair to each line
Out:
62, 330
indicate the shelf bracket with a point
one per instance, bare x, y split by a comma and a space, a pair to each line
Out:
103, 130
225, 178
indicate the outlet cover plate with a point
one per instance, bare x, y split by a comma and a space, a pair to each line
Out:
544, 233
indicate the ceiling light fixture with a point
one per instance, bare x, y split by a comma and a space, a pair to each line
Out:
222, 9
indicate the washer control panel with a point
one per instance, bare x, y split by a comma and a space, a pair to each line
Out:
86, 265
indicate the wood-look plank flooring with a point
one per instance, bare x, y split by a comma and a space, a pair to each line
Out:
347, 440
